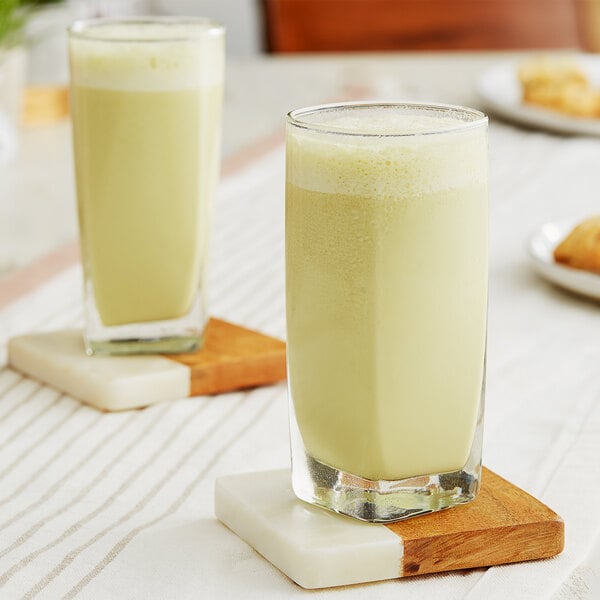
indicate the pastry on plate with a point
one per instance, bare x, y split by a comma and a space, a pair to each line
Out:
581, 248
559, 84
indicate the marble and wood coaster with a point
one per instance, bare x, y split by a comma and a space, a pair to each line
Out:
317, 548
232, 358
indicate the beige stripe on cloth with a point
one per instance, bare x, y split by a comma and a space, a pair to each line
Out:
36, 417
112, 434
74, 501
184, 422
23, 454
17, 405
53, 458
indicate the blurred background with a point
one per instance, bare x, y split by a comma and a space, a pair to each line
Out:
34, 70
32, 34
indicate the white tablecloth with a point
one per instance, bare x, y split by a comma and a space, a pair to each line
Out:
97, 505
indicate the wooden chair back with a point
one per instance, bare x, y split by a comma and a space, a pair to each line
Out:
385, 25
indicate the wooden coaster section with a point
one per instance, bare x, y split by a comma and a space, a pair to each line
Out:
232, 358
502, 525
317, 548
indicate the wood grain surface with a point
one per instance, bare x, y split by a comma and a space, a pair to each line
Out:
233, 358
502, 525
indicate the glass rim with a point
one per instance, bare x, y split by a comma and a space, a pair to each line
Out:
294, 118
83, 28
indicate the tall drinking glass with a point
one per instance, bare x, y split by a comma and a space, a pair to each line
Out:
146, 105
386, 285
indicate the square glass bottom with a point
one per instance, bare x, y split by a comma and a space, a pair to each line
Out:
173, 336
383, 501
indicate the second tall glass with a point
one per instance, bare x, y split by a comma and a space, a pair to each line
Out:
146, 106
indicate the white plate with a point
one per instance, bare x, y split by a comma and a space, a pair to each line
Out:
540, 247
500, 89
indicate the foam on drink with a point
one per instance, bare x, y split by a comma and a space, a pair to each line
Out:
136, 62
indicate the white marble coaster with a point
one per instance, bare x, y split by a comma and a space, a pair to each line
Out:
317, 548
58, 358
231, 358
312, 546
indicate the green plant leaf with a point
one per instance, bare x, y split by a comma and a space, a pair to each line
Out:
12, 22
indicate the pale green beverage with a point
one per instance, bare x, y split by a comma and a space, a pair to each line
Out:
146, 105
386, 259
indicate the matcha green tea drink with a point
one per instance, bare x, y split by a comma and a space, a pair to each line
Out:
146, 105
386, 284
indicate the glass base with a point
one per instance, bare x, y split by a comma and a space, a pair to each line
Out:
172, 336
166, 345
381, 501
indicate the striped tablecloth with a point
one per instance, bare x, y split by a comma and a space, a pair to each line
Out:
97, 505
